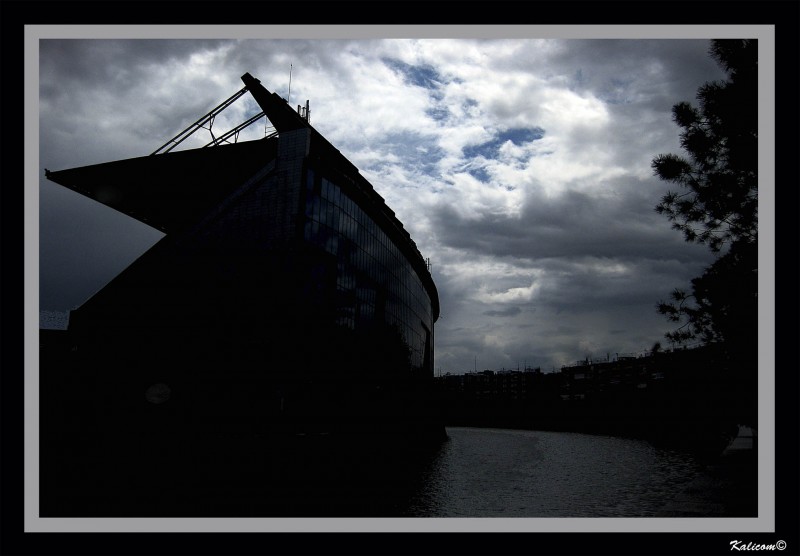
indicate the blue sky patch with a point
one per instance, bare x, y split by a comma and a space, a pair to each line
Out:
518, 136
416, 151
421, 76
438, 113
479, 174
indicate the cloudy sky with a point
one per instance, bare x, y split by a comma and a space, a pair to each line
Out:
520, 166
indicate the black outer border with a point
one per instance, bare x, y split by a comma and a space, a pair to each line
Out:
783, 14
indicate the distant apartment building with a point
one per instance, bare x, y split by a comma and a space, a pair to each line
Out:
488, 384
628, 372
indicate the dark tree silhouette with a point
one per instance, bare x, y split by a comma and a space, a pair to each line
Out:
717, 206
718, 203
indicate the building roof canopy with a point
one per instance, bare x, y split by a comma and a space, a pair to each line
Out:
172, 190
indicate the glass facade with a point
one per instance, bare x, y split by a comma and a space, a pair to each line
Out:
285, 319
375, 281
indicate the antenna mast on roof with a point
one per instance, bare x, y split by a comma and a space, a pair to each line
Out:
305, 113
289, 94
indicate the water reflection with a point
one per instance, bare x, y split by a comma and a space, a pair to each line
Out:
514, 473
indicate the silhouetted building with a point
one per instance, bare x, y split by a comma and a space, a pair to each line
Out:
627, 372
285, 297
509, 385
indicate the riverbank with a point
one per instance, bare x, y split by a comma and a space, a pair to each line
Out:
726, 487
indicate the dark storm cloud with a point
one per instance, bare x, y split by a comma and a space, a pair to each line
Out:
604, 283
89, 88
96, 62
510, 312
672, 67
572, 224
106, 77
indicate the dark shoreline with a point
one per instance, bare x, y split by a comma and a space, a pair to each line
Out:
706, 438
727, 487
